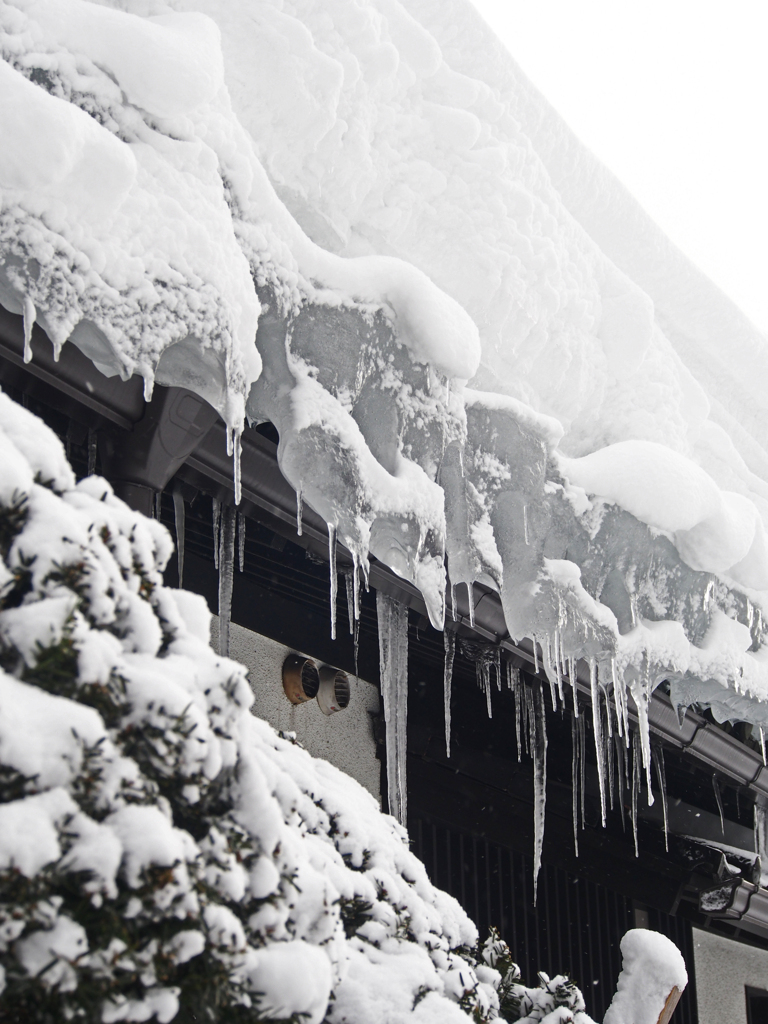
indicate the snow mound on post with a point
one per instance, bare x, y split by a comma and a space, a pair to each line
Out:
653, 969
162, 850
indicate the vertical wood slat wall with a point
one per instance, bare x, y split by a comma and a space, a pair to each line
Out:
576, 927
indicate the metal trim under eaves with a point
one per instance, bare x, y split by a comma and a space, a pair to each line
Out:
264, 487
741, 903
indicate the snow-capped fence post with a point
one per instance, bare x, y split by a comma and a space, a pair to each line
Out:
652, 979
669, 1006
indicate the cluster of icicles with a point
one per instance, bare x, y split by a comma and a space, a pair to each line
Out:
622, 754
619, 750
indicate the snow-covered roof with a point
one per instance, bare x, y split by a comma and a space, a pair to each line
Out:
474, 344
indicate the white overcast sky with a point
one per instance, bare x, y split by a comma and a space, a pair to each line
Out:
673, 96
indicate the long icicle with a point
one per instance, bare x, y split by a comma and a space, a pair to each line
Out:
554, 674
575, 781
237, 455
485, 674
241, 540
636, 756
621, 773
583, 769
299, 511
449, 643
574, 680
179, 519
517, 695
334, 580
597, 728
657, 754
609, 751
226, 574
471, 601
349, 584
215, 521
538, 730
393, 658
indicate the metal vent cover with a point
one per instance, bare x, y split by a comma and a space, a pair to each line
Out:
301, 679
334, 692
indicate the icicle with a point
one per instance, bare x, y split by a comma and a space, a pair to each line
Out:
158, 505
573, 680
525, 523
719, 798
30, 315
642, 696
761, 819
517, 696
658, 760
497, 664
179, 518
597, 727
471, 599
453, 602
334, 577
226, 574
608, 715
636, 755
486, 669
538, 730
583, 769
237, 466
350, 588
356, 647
449, 643
535, 656
393, 655
240, 541
525, 699
299, 511
358, 568
92, 449
561, 673
549, 669
762, 743
553, 692
575, 781
609, 753
215, 520
149, 385
621, 774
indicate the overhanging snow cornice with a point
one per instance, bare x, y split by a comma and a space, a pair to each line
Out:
265, 490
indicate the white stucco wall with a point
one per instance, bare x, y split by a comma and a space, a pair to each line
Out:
723, 969
345, 738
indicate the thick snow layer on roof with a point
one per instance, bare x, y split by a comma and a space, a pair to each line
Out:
378, 190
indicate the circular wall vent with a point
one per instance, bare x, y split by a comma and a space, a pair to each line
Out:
334, 691
301, 679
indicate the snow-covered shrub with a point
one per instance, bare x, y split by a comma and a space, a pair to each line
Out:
164, 855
